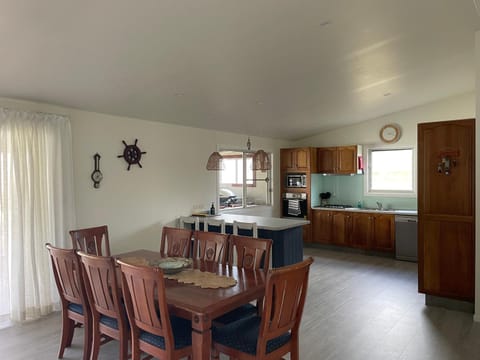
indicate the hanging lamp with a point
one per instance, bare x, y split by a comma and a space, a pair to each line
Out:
215, 161
261, 161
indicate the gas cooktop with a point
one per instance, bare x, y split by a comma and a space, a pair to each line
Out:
334, 206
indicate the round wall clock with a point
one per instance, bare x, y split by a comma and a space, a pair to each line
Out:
390, 133
132, 154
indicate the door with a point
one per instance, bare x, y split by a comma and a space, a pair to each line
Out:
326, 158
383, 235
346, 160
339, 228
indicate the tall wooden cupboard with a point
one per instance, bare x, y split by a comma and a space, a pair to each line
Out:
446, 209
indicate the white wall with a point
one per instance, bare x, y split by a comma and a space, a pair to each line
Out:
367, 132
136, 204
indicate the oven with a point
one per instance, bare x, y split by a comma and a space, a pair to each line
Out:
294, 205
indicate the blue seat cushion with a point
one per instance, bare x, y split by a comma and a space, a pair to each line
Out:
242, 335
182, 334
239, 313
109, 321
75, 308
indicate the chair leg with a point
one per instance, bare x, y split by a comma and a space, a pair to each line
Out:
87, 339
96, 341
123, 346
215, 354
68, 326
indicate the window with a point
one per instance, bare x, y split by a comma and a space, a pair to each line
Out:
390, 172
239, 185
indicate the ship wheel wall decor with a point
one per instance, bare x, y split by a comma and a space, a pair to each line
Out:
132, 154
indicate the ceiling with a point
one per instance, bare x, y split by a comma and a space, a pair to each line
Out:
276, 68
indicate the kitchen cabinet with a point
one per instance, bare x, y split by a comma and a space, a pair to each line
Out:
383, 232
363, 230
446, 209
337, 160
322, 226
360, 230
298, 160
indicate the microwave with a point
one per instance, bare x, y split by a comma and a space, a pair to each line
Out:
296, 181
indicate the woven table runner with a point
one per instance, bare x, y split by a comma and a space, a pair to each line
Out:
205, 280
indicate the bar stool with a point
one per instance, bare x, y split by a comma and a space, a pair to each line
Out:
252, 226
212, 222
189, 220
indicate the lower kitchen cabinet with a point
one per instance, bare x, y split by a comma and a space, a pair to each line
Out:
360, 230
340, 228
383, 235
363, 230
322, 226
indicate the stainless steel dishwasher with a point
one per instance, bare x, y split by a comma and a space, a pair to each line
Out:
406, 237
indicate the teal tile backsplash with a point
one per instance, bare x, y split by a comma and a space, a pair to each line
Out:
349, 190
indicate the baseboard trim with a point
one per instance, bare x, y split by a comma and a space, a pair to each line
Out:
450, 304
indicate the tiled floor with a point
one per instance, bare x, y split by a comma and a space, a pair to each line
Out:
358, 307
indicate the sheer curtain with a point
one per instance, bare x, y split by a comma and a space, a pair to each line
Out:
36, 207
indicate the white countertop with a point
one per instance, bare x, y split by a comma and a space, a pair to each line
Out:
266, 223
352, 209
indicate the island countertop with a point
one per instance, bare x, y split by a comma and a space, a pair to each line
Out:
263, 222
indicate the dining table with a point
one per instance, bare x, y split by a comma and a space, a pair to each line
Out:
203, 305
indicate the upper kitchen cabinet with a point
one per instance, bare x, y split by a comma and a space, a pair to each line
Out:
446, 209
338, 160
298, 159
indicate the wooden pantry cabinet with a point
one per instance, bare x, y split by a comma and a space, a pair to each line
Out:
363, 230
337, 160
446, 209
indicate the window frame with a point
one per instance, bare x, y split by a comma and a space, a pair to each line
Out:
268, 173
240, 158
388, 193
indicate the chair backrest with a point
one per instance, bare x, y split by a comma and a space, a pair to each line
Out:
285, 293
144, 295
213, 222
210, 246
176, 242
251, 226
91, 240
249, 253
103, 290
68, 276
189, 220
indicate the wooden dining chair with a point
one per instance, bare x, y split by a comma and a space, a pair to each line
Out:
75, 307
275, 332
210, 246
176, 242
109, 320
92, 240
251, 254
153, 330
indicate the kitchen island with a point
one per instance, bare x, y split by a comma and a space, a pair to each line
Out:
286, 234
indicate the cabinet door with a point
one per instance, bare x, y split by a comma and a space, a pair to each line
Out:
346, 160
447, 259
302, 159
326, 160
383, 236
339, 228
322, 226
360, 232
287, 159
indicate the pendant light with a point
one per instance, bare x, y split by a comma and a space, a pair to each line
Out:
215, 161
261, 160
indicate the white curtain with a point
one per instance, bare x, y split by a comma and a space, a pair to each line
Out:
36, 207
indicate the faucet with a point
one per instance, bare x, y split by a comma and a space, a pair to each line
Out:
379, 206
